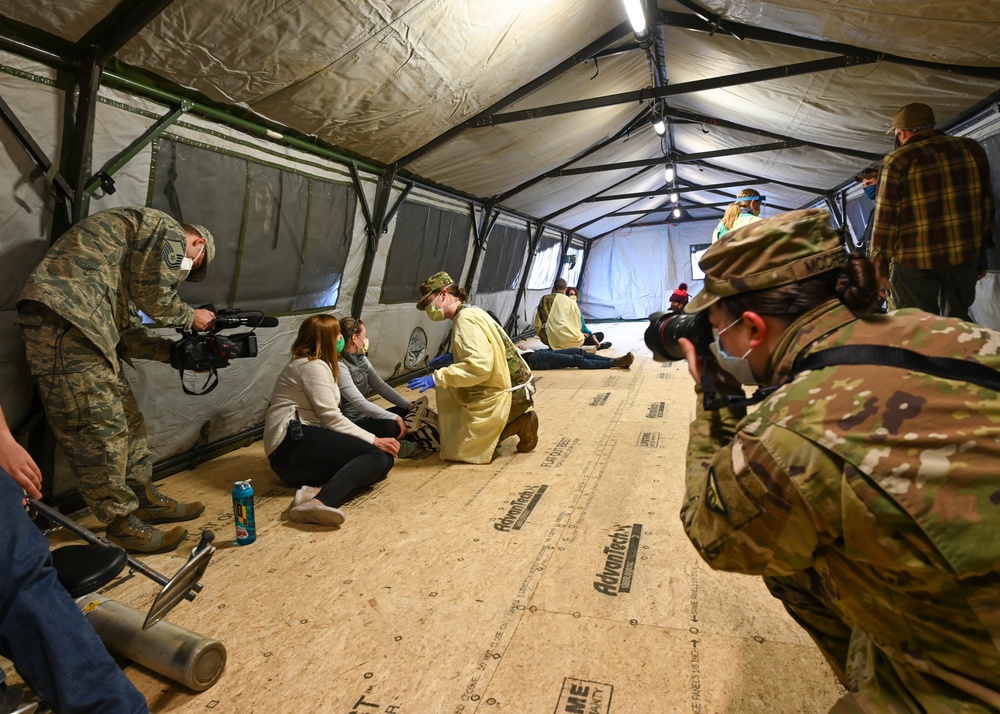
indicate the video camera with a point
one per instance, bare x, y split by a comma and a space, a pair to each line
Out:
210, 351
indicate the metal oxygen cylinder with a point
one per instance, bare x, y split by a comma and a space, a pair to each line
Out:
184, 656
246, 526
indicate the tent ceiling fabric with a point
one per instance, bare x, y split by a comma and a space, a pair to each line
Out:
383, 79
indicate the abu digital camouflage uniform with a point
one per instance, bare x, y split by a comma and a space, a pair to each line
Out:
869, 498
78, 316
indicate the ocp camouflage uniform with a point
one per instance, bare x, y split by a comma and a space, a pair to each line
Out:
78, 315
869, 498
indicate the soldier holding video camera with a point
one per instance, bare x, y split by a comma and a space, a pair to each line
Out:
864, 486
79, 318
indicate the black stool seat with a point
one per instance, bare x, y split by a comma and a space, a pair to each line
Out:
83, 569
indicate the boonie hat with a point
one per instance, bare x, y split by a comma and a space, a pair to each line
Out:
199, 273
912, 116
776, 251
432, 284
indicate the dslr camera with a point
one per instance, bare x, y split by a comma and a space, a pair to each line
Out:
666, 329
663, 336
210, 351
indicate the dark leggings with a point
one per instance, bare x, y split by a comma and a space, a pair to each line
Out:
593, 340
340, 464
383, 427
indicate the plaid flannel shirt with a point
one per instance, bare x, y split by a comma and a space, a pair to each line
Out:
935, 203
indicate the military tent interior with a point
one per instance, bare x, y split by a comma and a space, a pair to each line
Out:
341, 152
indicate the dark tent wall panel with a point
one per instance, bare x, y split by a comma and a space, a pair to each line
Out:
429, 233
502, 267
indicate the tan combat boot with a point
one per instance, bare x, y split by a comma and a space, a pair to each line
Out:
154, 507
527, 431
134, 536
624, 362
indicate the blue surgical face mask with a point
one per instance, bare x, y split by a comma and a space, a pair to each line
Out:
870, 191
739, 367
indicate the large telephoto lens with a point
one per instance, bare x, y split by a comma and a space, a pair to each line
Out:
666, 328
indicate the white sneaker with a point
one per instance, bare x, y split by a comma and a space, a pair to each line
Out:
316, 512
305, 493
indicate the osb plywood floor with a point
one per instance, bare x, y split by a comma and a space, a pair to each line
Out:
456, 589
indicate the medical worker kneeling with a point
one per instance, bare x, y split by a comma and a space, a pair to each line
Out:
484, 387
864, 487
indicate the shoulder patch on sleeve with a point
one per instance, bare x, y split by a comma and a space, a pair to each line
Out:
713, 497
173, 252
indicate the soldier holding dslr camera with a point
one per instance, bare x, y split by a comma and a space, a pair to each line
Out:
863, 487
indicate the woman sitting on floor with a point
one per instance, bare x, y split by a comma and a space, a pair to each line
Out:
404, 421
308, 440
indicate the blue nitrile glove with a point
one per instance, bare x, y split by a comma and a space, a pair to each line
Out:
443, 361
422, 383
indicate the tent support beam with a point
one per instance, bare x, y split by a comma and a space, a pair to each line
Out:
376, 218
775, 37
480, 232
701, 85
61, 189
642, 118
523, 287
583, 55
119, 26
677, 159
668, 191
685, 115
78, 144
123, 157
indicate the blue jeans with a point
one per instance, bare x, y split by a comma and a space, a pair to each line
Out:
53, 647
564, 359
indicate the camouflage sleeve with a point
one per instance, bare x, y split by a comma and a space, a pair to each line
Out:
740, 510
143, 343
154, 265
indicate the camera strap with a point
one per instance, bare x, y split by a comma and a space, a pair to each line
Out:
211, 383
881, 355
944, 367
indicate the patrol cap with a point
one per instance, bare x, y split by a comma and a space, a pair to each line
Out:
869, 172
912, 116
769, 253
199, 273
435, 282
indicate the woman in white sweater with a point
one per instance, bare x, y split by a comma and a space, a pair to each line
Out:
308, 441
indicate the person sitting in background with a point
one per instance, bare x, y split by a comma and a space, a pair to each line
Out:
484, 387
308, 440
679, 298
745, 210
558, 319
863, 487
590, 338
42, 631
573, 357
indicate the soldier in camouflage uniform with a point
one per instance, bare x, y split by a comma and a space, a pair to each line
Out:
866, 495
79, 319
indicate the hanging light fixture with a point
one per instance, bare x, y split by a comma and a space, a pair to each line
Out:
636, 17
677, 213
674, 197
669, 173
659, 125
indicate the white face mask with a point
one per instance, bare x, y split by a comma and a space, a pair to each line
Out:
739, 367
187, 264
